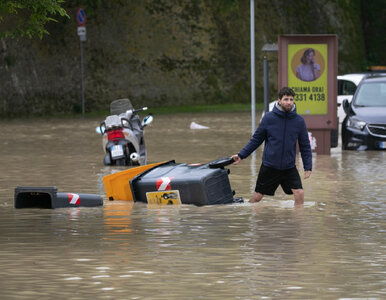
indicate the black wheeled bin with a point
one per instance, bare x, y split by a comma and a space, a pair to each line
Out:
172, 183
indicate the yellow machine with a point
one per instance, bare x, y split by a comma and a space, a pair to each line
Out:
117, 185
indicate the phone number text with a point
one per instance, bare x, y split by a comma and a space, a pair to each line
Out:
310, 97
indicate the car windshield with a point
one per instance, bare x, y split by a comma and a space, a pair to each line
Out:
371, 94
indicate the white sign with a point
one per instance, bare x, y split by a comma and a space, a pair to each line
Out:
82, 33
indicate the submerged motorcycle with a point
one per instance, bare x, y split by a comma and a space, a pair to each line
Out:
123, 138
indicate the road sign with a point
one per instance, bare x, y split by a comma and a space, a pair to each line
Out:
82, 33
81, 17
81, 30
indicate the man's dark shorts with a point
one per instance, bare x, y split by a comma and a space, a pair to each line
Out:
269, 180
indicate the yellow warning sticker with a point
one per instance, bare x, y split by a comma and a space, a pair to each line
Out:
171, 197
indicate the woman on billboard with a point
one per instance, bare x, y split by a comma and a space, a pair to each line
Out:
308, 70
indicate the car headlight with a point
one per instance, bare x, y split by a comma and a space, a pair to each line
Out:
356, 124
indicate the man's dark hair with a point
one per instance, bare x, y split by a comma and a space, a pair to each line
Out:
286, 91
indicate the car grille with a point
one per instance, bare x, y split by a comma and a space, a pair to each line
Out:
377, 129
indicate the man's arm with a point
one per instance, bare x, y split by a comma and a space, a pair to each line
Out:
256, 140
307, 174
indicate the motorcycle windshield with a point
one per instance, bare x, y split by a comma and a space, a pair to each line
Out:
120, 106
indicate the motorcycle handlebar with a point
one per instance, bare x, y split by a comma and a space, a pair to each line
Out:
134, 111
140, 109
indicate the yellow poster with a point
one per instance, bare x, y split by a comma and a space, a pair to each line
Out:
169, 197
307, 76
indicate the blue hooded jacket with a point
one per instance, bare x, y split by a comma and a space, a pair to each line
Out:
280, 130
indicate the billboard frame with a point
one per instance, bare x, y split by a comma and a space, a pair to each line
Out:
320, 125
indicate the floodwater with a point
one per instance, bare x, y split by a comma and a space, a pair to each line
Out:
332, 248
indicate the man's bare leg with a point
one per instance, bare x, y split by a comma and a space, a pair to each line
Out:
256, 197
299, 196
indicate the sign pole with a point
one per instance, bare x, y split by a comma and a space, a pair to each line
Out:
267, 48
253, 100
81, 20
266, 85
82, 75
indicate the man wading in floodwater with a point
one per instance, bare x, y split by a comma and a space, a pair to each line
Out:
280, 129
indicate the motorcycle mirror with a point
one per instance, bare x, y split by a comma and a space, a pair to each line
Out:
147, 120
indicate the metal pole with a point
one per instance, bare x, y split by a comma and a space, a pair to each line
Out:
253, 100
266, 84
82, 75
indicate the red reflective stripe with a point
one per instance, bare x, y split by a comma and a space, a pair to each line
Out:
163, 183
73, 198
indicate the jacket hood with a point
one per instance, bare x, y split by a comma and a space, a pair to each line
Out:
283, 114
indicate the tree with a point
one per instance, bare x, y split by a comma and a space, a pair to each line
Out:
374, 27
27, 18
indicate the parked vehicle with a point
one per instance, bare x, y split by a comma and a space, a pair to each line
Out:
364, 127
123, 139
347, 85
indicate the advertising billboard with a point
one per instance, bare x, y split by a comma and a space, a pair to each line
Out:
307, 76
308, 63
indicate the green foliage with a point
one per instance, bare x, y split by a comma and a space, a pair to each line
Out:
374, 25
27, 18
225, 6
90, 6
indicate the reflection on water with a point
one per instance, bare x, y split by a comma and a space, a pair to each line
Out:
333, 247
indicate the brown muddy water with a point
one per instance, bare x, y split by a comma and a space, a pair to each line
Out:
333, 248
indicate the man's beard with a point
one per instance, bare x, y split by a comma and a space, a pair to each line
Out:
286, 108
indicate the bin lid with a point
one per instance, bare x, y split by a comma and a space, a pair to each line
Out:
221, 162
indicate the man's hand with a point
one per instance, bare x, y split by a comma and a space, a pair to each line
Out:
236, 159
307, 174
